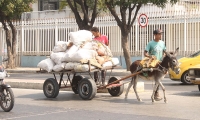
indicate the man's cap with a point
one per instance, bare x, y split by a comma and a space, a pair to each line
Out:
157, 31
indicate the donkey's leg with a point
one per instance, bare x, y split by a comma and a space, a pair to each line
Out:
163, 88
135, 88
129, 86
154, 91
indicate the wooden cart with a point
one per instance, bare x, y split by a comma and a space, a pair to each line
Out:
84, 86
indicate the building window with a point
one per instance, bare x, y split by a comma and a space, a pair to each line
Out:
48, 5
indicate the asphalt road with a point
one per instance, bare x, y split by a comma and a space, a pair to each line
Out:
31, 104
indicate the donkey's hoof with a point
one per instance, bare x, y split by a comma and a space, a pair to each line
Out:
140, 100
165, 101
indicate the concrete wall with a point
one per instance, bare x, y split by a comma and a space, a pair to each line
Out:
31, 61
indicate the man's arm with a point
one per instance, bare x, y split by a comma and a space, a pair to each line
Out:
106, 40
146, 54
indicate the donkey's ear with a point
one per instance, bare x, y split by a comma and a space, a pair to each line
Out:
175, 53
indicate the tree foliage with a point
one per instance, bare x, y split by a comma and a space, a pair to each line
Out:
85, 11
128, 11
14, 8
11, 10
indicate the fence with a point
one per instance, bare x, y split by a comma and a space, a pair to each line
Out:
37, 37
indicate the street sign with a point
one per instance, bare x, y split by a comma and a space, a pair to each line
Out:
143, 20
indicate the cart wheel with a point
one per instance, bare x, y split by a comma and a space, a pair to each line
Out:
87, 89
116, 91
75, 81
51, 88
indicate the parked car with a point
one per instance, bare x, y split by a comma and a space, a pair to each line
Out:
194, 75
185, 64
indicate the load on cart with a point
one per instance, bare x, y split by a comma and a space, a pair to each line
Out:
81, 54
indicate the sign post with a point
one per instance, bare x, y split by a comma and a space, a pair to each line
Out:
143, 20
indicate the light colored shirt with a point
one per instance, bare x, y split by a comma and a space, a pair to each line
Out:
156, 48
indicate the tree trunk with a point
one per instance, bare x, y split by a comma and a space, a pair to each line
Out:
126, 50
14, 43
9, 49
8, 43
83, 26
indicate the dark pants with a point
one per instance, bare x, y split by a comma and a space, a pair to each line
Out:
96, 76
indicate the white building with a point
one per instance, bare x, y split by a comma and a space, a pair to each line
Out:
45, 9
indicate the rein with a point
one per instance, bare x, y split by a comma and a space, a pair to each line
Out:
164, 70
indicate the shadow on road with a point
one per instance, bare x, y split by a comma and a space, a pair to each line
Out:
62, 96
189, 93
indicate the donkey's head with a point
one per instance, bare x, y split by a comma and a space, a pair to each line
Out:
172, 61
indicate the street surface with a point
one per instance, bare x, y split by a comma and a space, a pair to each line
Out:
31, 104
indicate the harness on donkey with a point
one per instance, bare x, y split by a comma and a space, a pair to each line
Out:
156, 72
147, 65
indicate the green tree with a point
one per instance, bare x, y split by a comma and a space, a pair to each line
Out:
85, 11
11, 10
128, 12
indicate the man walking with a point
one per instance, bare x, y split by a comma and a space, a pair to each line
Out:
156, 48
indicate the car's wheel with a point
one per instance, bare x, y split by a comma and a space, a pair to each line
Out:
51, 88
184, 78
75, 81
199, 87
87, 89
116, 91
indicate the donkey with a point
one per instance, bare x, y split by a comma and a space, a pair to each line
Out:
169, 61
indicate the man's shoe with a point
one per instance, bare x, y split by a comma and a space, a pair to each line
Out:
157, 98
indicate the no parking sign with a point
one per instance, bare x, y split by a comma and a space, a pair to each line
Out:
143, 20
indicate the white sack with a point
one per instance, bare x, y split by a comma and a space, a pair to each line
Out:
61, 46
59, 67
69, 54
114, 61
71, 65
46, 64
90, 45
57, 57
80, 36
82, 68
104, 49
84, 54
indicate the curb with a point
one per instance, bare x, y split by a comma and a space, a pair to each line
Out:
114, 73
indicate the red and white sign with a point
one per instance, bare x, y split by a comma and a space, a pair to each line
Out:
143, 20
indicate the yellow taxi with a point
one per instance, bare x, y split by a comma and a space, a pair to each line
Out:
185, 64
194, 75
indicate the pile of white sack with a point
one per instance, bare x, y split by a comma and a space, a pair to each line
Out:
68, 55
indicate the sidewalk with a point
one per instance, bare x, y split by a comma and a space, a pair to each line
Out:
38, 84
117, 72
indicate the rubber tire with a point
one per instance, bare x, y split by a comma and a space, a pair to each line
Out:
75, 81
117, 91
87, 89
9, 90
53, 90
199, 87
183, 78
